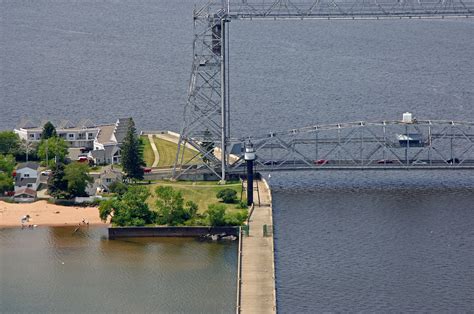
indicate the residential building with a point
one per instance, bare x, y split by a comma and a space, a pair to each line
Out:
99, 143
26, 176
81, 135
104, 179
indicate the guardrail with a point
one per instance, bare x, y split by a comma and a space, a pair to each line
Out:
239, 273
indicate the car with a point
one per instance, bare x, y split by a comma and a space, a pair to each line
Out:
271, 162
82, 159
321, 161
453, 161
46, 173
419, 162
147, 170
385, 161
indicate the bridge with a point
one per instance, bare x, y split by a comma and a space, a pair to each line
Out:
360, 145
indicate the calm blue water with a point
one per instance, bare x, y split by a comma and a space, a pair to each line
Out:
358, 241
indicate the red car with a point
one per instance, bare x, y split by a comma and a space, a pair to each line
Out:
321, 161
147, 170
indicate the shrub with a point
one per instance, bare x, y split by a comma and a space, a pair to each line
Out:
215, 215
228, 196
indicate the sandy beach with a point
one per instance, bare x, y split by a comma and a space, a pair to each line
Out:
44, 214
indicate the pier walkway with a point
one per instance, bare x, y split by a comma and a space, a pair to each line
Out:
258, 267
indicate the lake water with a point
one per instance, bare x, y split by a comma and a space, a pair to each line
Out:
358, 241
48, 270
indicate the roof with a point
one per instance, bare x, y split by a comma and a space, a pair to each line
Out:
105, 133
25, 191
24, 181
121, 129
31, 165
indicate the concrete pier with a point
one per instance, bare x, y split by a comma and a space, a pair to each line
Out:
257, 290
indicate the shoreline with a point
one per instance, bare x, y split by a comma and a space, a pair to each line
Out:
44, 214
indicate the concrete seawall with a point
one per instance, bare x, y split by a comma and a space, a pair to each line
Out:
257, 289
129, 232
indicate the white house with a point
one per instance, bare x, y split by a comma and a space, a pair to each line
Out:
100, 143
26, 181
81, 135
108, 142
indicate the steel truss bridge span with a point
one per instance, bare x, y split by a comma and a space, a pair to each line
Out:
383, 145
207, 110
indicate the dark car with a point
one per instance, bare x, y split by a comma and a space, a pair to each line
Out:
453, 161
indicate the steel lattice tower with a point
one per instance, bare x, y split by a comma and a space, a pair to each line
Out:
207, 114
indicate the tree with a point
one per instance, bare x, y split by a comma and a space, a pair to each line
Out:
27, 151
131, 210
132, 156
208, 146
7, 164
49, 131
228, 196
171, 208
77, 177
9, 142
57, 184
53, 150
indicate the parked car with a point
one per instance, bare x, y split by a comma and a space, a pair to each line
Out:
385, 161
46, 173
147, 170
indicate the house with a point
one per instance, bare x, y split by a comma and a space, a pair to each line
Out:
81, 135
26, 181
26, 176
25, 195
104, 179
99, 143
108, 142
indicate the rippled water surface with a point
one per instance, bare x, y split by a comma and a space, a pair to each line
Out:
47, 270
374, 242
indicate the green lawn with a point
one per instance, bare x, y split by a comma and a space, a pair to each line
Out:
167, 151
148, 155
202, 193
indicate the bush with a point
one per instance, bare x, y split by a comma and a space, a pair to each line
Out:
236, 218
118, 188
242, 205
215, 215
228, 196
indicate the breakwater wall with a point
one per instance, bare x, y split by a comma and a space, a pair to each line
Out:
129, 232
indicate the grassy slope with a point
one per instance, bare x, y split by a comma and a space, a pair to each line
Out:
167, 151
148, 155
202, 193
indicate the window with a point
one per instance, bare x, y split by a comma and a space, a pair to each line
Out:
32, 136
108, 180
91, 135
29, 185
26, 175
70, 135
